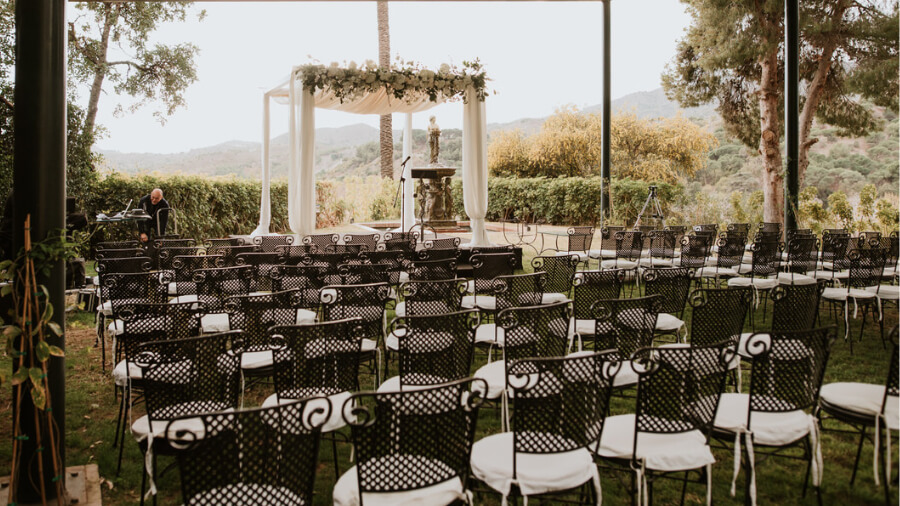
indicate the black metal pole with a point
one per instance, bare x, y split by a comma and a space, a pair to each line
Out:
791, 113
39, 186
605, 126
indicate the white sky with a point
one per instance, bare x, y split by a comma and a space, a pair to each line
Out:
540, 56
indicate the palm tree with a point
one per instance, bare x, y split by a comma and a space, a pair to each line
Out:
384, 60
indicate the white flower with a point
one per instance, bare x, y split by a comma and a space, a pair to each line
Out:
445, 69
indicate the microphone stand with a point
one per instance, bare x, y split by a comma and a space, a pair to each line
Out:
402, 188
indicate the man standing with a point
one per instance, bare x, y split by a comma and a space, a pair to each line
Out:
158, 209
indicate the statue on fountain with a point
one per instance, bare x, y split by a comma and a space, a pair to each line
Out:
434, 139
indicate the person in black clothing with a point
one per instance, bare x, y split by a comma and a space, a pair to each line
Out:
158, 209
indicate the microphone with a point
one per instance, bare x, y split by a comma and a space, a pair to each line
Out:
402, 164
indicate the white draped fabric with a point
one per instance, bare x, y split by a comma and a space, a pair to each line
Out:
301, 135
474, 165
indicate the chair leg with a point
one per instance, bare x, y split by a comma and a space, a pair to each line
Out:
886, 470
862, 438
684, 487
334, 456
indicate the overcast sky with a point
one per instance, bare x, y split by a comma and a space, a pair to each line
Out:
539, 55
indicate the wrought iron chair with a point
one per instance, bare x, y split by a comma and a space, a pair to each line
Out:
486, 267
625, 325
589, 287
403, 241
607, 243
866, 268
559, 276
430, 297
268, 243
673, 286
369, 241
262, 264
661, 249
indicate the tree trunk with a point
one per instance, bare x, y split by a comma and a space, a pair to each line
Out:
771, 126
815, 90
384, 60
99, 73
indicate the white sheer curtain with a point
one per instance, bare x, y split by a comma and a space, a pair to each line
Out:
474, 165
265, 201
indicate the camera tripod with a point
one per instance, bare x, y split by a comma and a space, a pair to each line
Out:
655, 209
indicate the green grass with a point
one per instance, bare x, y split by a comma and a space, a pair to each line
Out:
91, 412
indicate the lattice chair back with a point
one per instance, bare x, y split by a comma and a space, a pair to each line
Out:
718, 314
731, 249
365, 301
414, 439
537, 331
625, 324
795, 307
629, 245
608, 237
254, 314
892, 385
132, 244
765, 260
120, 253
294, 253
432, 297
866, 267
347, 249
672, 284
230, 253
695, 249
834, 250
262, 264
166, 255
144, 322
707, 228
432, 269
803, 252
137, 287
492, 249
580, 239
255, 456
559, 272
679, 230
306, 279
870, 239
403, 241
518, 290
320, 241
591, 286
362, 273
679, 388
369, 241
437, 249
268, 243
174, 243
739, 228
216, 284
560, 402
316, 358
487, 266
184, 266
393, 261
225, 242
124, 265
190, 376
788, 368
435, 349
769, 228
662, 243
797, 233
892, 245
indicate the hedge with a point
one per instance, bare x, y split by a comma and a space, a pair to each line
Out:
568, 200
206, 207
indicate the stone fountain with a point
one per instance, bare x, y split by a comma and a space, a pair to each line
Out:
433, 193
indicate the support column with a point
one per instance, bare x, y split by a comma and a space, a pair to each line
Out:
605, 126
408, 213
39, 184
791, 113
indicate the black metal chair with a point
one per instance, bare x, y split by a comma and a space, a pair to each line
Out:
439, 249
800, 258
431, 349
402, 241
230, 253
673, 285
728, 258
559, 276
578, 243
412, 447
864, 405
514, 290
294, 253
357, 273
794, 307
661, 249
430, 269
624, 325
589, 287
262, 263
629, 246
320, 241
181, 377
430, 297
607, 244
256, 456
368, 241
486, 267
166, 255
677, 396
866, 269
305, 278
183, 268
268, 243
787, 372
560, 404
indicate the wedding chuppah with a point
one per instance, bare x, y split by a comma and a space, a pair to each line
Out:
406, 88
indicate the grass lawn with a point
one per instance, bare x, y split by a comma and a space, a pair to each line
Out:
92, 409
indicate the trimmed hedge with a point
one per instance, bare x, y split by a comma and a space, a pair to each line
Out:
568, 200
206, 207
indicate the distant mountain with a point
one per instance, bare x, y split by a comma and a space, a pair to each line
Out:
336, 148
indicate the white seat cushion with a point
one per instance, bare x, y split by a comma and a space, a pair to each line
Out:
215, 322
141, 429
626, 376
666, 322
829, 274
183, 298
400, 309
536, 473
657, 262
759, 283
335, 419
183, 287
392, 384
404, 277
489, 333
793, 278
602, 253
714, 272
120, 376
885, 292
862, 398
553, 298
256, 359
248, 494
618, 263
346, 490
660, 452
771, 429
836, 293
368, 345
495, 376
742, 346
485, 302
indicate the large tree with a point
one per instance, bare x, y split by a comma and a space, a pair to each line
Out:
384, 60
109, 41
733, 54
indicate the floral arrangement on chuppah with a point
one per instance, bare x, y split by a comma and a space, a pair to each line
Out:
403, 80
